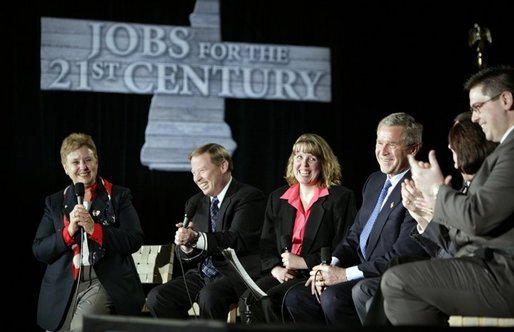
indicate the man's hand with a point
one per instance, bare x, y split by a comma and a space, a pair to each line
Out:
186, 237
426, 176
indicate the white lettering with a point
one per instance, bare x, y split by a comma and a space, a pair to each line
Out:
179, 47
203, 49
225, 79
285, 78
268, 53
96, 29
83, 81
248, 81
310, 84
219, 51
128, 78
153, 43
201, 84
164, 79
121, 39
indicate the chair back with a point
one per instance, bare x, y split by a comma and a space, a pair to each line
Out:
154, 263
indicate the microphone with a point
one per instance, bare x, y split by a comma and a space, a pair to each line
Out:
326, 256
190, 211
79, 192
285, 242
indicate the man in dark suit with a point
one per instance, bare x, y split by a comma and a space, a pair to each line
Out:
380, 231
479, 280
228, 214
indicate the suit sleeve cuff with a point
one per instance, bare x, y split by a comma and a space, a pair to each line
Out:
353, 272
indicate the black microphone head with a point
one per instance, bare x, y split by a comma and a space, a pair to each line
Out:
79, 189
285, 242
191, 206
79, 192
326, 255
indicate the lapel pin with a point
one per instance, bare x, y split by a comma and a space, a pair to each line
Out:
392, 205
96, 213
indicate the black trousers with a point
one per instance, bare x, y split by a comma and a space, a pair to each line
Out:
270, 309
174, 298
335, 306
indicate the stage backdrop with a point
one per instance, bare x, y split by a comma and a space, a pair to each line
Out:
384, 57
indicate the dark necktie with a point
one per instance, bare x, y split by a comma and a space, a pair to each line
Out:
369, 225
207, 266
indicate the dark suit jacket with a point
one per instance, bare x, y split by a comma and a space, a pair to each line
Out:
116, 270
330, 218
485, 216
437, 239
390, 235
239, 227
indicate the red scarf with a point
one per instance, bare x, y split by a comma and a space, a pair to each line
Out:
75, 266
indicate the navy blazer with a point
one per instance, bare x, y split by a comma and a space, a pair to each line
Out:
239, 227
115, 270
330, 218
390, 235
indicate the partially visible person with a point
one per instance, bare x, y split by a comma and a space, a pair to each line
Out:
95, 273
379, 233
479, 281
228, 214
311, 212
469, 148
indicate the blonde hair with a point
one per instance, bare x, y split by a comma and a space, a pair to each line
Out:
75, 141
216, 152
330, 174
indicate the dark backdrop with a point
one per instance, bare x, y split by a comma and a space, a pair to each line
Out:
409, 56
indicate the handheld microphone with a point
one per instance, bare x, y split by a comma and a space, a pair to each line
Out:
326, 256
190, 212
186, 220
79, 192
285, 242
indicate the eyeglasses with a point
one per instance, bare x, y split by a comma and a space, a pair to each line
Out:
475, 108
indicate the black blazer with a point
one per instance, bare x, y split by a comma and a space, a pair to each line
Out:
390, 235
239, 227
115, 270
330, 218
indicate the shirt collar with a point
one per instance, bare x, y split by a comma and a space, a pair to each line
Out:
294, 191
506, 134
222, 193
396, 178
